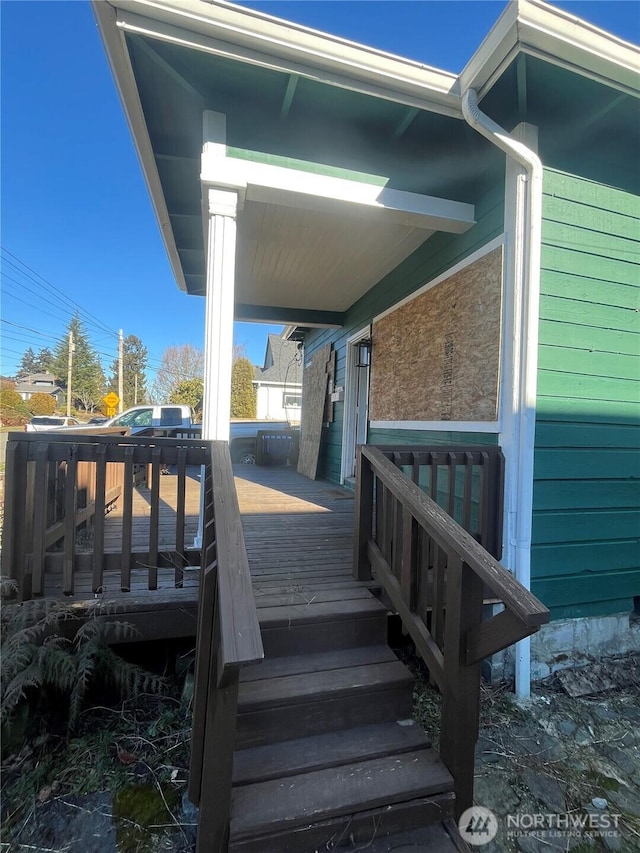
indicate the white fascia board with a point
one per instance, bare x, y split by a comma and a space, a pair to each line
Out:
249, 36
288, 385
118, 56
271, 184
556, 36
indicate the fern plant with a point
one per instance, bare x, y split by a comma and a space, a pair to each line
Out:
37, 654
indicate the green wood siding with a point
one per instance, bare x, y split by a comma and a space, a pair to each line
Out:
434, 257
586, 520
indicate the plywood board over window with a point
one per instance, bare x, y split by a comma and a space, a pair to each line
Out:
437, 356
314, 392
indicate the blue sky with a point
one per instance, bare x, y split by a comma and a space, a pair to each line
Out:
75, 209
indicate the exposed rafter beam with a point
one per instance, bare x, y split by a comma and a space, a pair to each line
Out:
155, 57
403, 125
289, 316
288, 95
521, 83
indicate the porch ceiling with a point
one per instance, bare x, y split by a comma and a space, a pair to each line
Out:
315, 260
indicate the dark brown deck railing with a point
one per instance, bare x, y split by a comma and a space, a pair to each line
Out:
228, 638
436, 575
57, 482
467, 482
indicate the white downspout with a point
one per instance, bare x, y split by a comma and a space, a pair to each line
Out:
529, 214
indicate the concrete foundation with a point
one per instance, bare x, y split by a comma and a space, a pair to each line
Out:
572, 642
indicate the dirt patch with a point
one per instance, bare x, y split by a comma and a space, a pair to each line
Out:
570, 763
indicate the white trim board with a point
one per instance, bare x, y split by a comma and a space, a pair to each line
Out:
479, 253
291, 187
439, 426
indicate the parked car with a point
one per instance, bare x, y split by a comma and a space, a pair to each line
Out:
98, 420
44, 423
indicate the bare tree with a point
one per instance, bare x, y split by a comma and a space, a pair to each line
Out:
179, 364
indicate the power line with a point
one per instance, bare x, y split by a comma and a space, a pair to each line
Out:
44, 284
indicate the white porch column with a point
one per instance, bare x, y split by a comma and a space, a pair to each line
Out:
219, 312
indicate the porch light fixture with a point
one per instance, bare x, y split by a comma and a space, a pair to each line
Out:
364, 353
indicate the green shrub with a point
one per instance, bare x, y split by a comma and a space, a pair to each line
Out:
13, 411
41, 404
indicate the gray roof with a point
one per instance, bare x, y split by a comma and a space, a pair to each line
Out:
282, 363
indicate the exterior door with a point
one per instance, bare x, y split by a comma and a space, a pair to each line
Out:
356, 405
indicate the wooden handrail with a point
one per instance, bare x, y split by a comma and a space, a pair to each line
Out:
228, 638
451, 536
240, 638
435, 574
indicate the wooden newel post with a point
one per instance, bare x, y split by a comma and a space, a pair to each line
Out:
461, 699
363, 517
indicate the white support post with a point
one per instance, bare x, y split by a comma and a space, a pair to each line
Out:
219, 312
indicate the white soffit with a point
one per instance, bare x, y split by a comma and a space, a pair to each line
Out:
322, 260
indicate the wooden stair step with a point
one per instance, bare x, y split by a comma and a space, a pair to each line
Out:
325, 684
301, 597
418, 825
285, 803
319, 611
322, 626
291, 757
278, 667
312, 703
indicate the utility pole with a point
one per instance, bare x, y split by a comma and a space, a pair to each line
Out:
135, 390
120, 370
69, 368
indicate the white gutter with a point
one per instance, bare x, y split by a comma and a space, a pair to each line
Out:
527, 282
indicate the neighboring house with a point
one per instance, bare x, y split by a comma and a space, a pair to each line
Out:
39, 383
279, 382
465, 248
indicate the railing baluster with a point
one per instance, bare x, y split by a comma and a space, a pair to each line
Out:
452, 462
39, 518
14, 512
408, 581
127, 520
468, 485
181, 486
438, 595
154, 517
70, 520
363, 517
461, 699
97, 578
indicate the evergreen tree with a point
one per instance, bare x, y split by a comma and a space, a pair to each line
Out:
32, 362
27, 363
243, 392
87, 376
188, 393
134, 365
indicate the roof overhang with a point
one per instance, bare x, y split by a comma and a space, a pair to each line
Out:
394, 217
549, 33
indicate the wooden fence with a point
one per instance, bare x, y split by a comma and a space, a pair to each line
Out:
436, 575
57, 482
